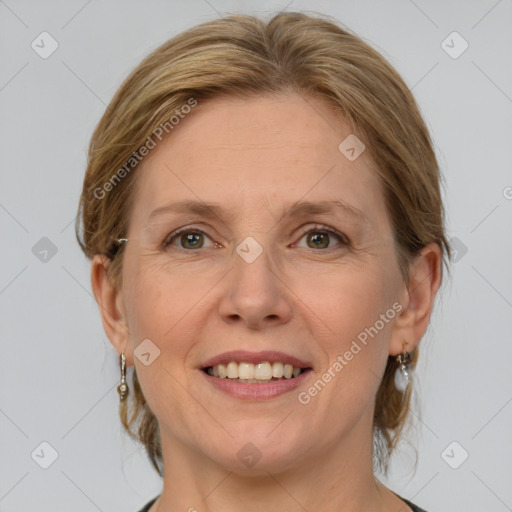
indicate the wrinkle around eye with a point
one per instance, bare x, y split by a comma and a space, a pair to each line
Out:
161, 237
176, 236
343, 240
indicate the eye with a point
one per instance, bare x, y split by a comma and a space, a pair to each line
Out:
189, 239
320, 237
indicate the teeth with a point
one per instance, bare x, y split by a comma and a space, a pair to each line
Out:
254, 373
278, 370
232, 371
246, 371
288, 371
263, 371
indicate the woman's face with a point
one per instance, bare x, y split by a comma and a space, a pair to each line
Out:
259, 273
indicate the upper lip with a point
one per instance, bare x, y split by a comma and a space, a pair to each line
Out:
243, 356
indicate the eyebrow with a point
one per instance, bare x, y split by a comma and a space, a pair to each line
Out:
297, 209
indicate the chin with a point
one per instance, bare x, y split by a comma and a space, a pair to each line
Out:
260, 449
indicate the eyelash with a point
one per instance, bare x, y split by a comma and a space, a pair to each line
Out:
316, 228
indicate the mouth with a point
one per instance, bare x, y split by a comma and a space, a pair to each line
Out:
249, 373
255, 376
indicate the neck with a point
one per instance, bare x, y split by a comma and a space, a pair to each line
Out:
338, 477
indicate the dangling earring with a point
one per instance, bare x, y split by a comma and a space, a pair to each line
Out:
122, 389
403, 373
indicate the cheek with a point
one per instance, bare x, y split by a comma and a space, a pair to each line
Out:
356, 311
158, 301
349, 301
158, 309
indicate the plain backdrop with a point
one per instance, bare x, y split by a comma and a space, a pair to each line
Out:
58, 371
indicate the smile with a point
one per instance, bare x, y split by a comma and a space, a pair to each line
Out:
256, 390
250, 373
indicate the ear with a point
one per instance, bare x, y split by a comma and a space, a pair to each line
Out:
425, 274
111, 305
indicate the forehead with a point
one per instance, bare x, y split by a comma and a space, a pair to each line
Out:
263, 125
267, 149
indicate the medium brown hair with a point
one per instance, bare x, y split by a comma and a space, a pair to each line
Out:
241, 56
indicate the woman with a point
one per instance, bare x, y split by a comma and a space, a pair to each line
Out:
263, 214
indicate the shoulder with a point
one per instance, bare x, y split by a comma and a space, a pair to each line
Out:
148, 505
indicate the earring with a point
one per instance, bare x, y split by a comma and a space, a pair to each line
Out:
122, 389
403, 373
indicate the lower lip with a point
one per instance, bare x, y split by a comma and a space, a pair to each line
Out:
257, 392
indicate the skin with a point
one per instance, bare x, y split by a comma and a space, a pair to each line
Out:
255, 157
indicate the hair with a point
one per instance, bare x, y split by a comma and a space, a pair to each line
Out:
243, 56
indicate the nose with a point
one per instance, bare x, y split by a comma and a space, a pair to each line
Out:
256, 293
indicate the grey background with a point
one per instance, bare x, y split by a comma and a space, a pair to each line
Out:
58, 369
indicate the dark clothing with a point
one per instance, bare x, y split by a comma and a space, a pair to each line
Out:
414, 507
148, 505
